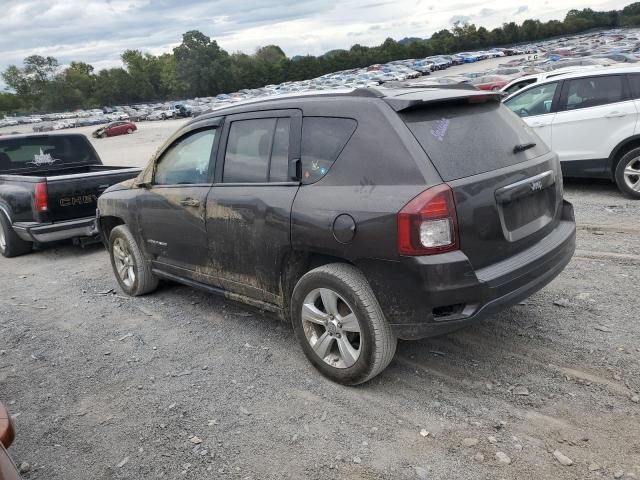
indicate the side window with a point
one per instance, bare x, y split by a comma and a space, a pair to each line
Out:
248, 148
186, 162
536, 100
257, 151
323, 139
279, 167
634, 80
593, 91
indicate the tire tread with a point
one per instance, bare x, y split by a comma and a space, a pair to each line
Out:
146, 281
385, 340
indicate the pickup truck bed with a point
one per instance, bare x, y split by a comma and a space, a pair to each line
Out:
51, 201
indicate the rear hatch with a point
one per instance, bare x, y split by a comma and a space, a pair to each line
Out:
507, 185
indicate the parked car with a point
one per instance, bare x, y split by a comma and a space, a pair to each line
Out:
8, 469
590, 119
181, 110
359, 216
161, 114
49, 186
114, 129
490, 82
521, 82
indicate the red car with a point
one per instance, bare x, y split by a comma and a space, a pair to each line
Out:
491, 82
115, 128
8, 470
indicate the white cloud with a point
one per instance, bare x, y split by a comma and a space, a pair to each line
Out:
98, 31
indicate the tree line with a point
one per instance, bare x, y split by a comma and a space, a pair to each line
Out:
199, 67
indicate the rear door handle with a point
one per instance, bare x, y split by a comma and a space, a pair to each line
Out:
538, 124
190, 202
615, 114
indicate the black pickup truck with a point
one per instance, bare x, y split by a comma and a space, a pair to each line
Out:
49, 187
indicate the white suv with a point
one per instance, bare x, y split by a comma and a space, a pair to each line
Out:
590, 119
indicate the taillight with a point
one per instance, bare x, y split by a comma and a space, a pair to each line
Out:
428, 224
41, 198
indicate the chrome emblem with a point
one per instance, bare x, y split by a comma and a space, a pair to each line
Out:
535, 186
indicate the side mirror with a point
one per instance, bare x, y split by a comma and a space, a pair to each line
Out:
145, 179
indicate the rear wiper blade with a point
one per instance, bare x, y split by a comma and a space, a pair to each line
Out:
522, 147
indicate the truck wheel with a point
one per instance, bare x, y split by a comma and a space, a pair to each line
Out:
340, 324
628, 173
132, 271
11, 245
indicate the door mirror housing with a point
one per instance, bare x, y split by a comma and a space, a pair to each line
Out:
145, 179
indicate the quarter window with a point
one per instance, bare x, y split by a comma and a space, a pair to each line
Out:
594, 91
323, 139
186, 162
536, 100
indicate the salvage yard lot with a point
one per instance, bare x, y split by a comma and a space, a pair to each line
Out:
181, 384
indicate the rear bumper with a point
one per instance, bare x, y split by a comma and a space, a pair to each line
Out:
444, 292
52, 232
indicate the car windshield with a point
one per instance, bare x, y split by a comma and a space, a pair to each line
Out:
535, 101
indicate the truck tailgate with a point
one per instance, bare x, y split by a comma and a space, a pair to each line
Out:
76, 196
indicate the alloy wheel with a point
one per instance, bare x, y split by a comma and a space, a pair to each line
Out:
125, 265
331, 328
632, 174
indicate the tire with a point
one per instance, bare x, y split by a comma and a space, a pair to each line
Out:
11, 245
137, 279
627, 181
129, 131
367, 329
164, 116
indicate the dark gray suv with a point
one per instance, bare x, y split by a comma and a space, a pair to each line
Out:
362, 216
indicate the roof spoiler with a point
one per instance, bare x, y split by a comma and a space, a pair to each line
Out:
412, 101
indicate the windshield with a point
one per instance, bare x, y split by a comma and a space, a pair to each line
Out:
535, 101
43, 152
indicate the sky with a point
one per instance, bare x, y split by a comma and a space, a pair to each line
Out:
98, 31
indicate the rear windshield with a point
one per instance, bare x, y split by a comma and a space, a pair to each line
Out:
467, 139
45, 152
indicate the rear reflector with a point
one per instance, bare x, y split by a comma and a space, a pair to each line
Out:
428, 224
41, 198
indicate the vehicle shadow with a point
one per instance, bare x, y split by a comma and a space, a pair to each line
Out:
591, 186
67, 248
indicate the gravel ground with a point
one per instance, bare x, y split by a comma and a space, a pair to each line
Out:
180, 384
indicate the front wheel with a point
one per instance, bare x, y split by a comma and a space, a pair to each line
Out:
340, 324
132, 271
628, 173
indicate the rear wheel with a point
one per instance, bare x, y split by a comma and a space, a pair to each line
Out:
129, 131
132, 271
340, 324
11, 245
628, 173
